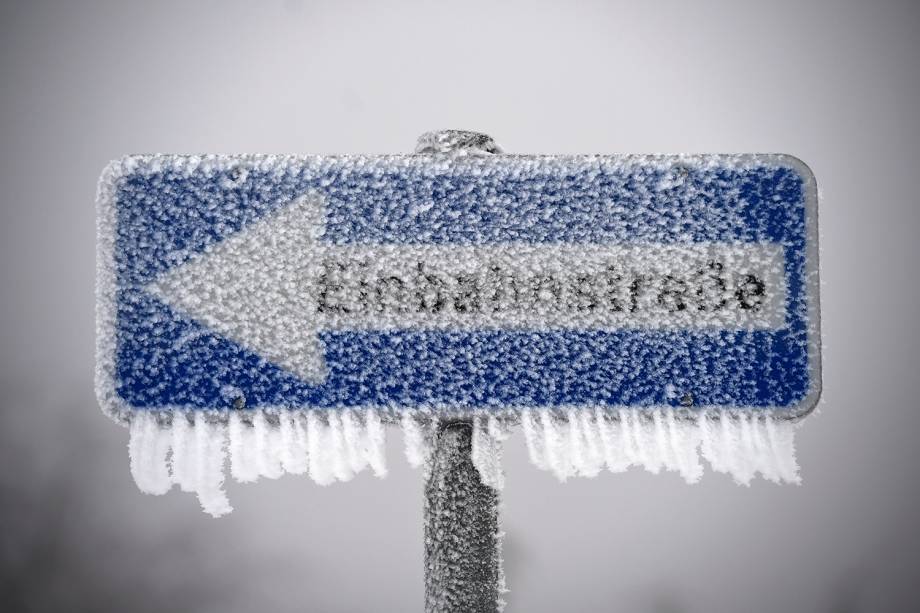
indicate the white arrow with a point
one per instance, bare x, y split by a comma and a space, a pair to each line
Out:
254, 288
274, 285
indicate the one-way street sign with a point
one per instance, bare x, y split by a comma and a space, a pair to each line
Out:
458, 283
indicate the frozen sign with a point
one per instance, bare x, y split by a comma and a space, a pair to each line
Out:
458, 284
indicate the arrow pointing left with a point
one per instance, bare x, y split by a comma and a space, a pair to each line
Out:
254, 288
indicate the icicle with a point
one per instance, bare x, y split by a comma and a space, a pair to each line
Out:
191, 451
268, 449
244, 466
781, 439
183, 452
210, 439
587, 460
558, 447
709, 439
376, 443
741, 445
651, 434
340, 443
533, 436
612, 437
719, 445
628, 443
594, 448
487, 452
747, 457
662, 446
338, 448
763, 456
498, 429
418, 446
737, 452
644, 443
293, 442
575, 443
148, 450
733, 450
684, 440
353, 434
321, 468
744, 445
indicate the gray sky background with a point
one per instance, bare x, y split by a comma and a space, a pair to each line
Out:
835, 83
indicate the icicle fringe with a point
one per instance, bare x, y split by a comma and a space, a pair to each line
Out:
190, 449
580, 442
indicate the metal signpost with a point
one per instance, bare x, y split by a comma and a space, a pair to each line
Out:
310, 300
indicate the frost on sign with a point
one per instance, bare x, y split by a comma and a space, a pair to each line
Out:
316, 298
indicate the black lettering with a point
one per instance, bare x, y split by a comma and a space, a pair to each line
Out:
673, 293
710, 287
635, 291
546, 288
614, 289
497, 288
330, 293
429, 291
584, 292
467, 297
750, 292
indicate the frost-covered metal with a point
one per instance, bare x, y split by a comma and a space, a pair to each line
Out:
463, 570
279, 311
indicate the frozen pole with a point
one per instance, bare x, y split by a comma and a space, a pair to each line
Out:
462, 547
462, 557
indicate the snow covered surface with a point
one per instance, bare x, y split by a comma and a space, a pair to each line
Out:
274, 313
192, 449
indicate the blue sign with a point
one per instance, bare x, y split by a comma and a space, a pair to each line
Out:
458, 283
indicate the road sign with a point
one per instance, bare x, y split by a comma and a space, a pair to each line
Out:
458, 283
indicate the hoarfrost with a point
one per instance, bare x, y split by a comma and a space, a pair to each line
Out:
268, 447
184, 452
210, 453
148, 450
299, 304
534, 438
244, 466
418, 440
376, 443
190, 451
293, 442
